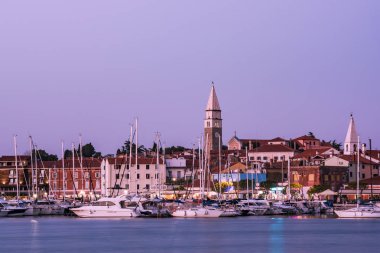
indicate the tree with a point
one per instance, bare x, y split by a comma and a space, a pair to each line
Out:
42, 155
125, 149
173, 149
311, 134
88, 150
317, 189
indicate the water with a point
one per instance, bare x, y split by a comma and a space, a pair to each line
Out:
243, 234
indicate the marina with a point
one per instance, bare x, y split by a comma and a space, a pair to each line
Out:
255, 233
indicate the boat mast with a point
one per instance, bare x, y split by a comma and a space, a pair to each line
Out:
357, 174
81, 163
220, 168
137, 145
157, 164
73, 169
130, 158
246, 167
31, 163
288, 188
63, 172
18, 185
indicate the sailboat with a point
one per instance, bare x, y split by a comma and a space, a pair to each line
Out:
360, 211
199, 211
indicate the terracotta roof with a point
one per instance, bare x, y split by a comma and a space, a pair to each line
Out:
306, 137
140, 160
373, 153
312, 152
8, 158
277, 139
375, 181
353, 158
273, 148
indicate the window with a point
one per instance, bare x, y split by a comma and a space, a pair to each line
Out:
147, 187
208, 123
127, 186
147, 166
265, 158
138, 166
363, 175
138, 176
117, 176
87, 184
311, 177
258, 158
97, 174
178, 174
363, 167
127, 176
127, 166
76, 183
285, 175
251, 158
86, 175
275, 158
54, 175
147, 176
326, 177
138, 187
350, 173
97, 184
170, 174
118, 166
75, 174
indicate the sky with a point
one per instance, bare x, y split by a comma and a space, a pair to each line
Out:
280, 68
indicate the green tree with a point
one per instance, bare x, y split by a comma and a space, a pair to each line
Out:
42, 155
317, 189
125, 148
88, 150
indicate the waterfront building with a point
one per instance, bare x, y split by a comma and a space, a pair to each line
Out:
121, 175
270, 153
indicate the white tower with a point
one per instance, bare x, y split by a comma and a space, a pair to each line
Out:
351, 141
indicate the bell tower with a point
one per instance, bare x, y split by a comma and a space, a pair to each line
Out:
351, 141
213, 122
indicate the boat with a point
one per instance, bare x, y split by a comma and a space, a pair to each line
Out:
364, 211
153, 208
49, 207
108, 208
360, 211
197, 212
254, 207
12, 210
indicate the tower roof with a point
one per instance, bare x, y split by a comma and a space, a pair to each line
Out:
352, 136
213, 103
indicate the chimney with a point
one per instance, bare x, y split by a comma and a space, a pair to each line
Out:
363, 148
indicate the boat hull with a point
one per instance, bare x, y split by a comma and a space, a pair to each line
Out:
103, 213
198, 213
357, 214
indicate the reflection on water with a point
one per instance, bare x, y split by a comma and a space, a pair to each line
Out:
276, 235
229, 235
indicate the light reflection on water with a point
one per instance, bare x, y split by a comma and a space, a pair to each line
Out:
276, 236
243, 234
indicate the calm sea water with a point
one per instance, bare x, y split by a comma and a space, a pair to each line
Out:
243, 234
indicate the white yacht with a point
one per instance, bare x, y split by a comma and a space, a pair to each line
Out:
108, 208
370, 211
197, 212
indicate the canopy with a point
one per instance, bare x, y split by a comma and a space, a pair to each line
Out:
327, 192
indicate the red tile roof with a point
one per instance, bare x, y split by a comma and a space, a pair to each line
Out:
273, 148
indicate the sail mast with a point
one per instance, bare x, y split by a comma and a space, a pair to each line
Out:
31, 164
357, 173
63, 172
18, 185
136, 149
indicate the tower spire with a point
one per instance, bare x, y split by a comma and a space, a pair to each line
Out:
213, 102
351, 141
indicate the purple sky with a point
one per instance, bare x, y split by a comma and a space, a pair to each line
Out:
281, 68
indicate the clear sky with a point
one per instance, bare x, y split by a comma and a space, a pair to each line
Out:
281, 68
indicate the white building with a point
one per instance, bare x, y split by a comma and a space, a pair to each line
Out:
118, 177
270, 153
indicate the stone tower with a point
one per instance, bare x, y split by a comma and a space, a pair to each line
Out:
351, 141
213, 122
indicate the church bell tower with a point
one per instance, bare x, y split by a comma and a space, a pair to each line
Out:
213, 122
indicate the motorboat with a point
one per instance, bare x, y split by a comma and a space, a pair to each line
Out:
362, 211
254, 207
108, 208
13, 209
197, 212
49, 207
153, 208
